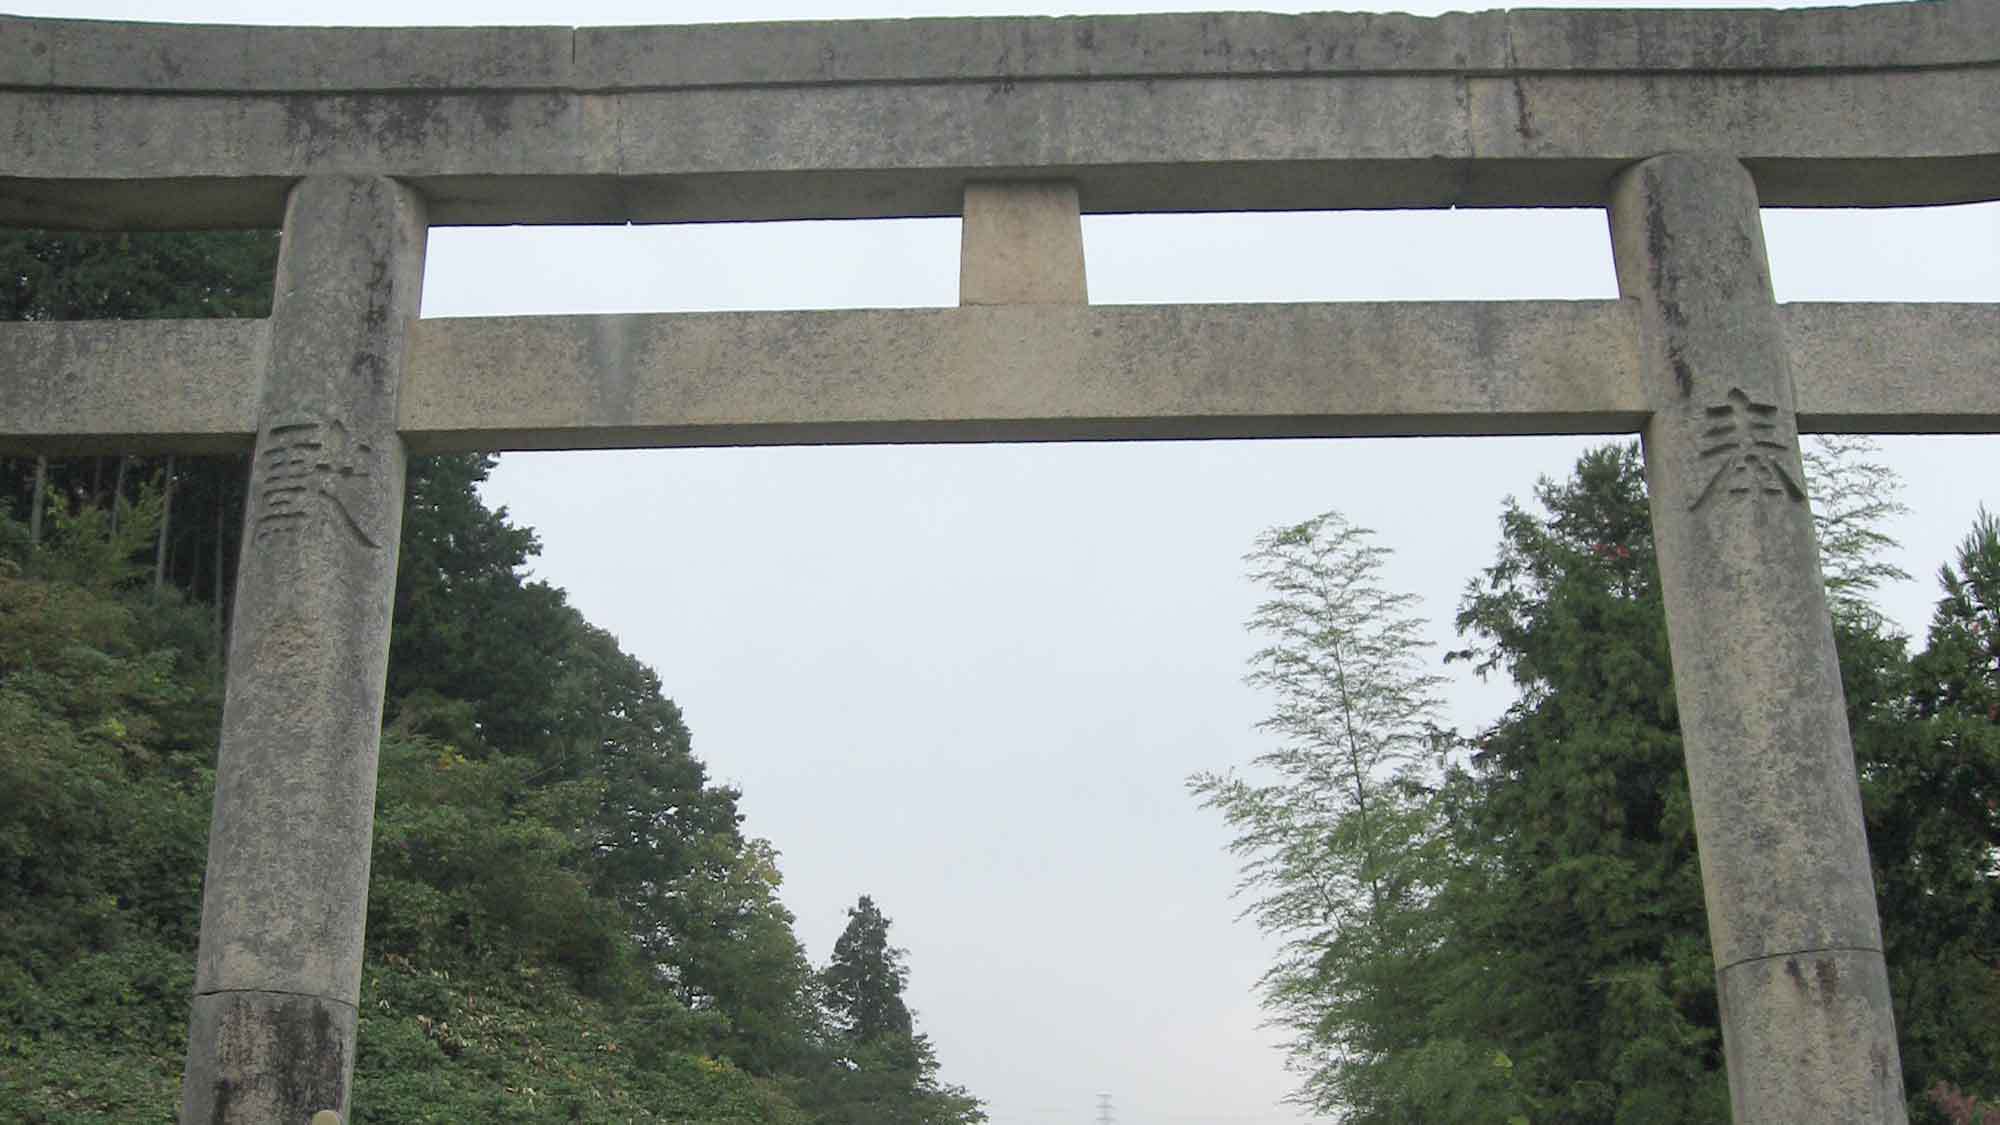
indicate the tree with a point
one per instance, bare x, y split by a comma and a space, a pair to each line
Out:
864, 981
1853, 496
49, 275
1931, 788
1336, 834
566, 920
1580, 896
877, 1069
1519, 936
1570, 938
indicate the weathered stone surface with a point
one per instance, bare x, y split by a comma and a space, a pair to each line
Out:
286, 893
273, 1057
1021, 244
1882, 368
1819, 1017
1022, 373
1951, 32
1784, 855
882, 375
1883, 104
133, 386
179, 58
1012, 48
197, 59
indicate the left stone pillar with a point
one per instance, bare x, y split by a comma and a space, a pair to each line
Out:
278, 975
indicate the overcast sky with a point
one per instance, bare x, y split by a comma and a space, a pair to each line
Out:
972, 680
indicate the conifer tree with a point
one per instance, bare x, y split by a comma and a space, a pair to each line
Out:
879, 1069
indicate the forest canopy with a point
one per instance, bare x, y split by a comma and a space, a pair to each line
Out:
566, 919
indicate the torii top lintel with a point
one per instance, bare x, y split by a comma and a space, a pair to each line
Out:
1885, 105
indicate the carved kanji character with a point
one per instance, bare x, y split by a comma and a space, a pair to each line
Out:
304, 465
1743, 441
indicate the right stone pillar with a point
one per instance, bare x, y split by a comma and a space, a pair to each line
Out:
1806, 1022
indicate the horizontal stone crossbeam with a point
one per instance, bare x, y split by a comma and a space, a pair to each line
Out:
145, 126
1004, 373
1682, 125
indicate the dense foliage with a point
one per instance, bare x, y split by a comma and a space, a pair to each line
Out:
1545, 957
882, 1071
566, 921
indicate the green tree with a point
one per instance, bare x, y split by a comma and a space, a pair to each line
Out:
1579, 896
876, 1068
1337, 832
864, 982
1520, 936
1931, 787
52, 275
566, 921
1853, 496
1568, 940
107, 717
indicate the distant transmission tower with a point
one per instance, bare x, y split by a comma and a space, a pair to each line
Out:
1104, 1116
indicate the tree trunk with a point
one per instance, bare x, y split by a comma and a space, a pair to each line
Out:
35, 503
166, 521
118, 491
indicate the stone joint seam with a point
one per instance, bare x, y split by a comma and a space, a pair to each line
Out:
201, 992
1876, 950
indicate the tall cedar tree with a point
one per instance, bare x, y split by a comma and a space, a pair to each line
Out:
878, 1069
1579, 953
1930, 770
1576, 947
1546, 959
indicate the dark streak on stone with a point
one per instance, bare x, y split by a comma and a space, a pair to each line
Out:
291, 1041
1666, 287
1524, 119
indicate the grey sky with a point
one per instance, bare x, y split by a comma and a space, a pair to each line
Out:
971, 680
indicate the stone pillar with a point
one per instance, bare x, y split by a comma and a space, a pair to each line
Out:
279, 971
1806, 1020
1021, 244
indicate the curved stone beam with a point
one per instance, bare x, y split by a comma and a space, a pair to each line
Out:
141, 125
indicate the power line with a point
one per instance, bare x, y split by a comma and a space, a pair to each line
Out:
1104, 1116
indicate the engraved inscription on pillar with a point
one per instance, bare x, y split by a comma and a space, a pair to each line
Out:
1746, 448
315, 471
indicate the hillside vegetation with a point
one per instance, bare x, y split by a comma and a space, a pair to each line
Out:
566, 920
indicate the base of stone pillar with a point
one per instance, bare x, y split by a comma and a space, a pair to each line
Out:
1795, 1019
259, 1058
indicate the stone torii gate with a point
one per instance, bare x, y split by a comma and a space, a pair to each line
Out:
1679, 124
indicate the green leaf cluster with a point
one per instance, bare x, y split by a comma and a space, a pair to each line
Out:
1545, 958
566, 921
875, 1067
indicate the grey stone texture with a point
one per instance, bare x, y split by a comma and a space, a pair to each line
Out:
1021, 373
356, 138
275, 1056
971, 374
278, 972
138, 386
1883, 104
1807, 1027
1021, 243
1883, 368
